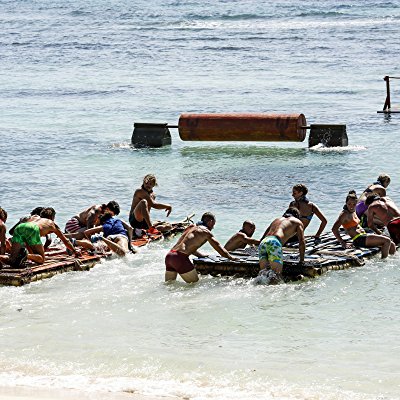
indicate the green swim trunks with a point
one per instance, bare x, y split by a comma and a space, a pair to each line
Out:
270, 249
28, 233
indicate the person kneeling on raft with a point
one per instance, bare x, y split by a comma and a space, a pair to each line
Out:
351, 223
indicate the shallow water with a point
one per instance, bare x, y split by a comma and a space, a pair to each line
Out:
74, 77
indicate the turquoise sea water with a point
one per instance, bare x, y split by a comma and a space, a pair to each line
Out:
75, 76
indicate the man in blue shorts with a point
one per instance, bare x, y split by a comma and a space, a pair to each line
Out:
276, 235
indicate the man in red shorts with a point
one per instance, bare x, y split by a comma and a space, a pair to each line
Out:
384, 210
177, 260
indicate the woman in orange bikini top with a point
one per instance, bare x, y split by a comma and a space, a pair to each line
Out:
351, 223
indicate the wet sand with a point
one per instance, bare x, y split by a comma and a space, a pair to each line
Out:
24, 393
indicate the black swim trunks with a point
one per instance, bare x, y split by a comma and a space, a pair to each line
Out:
360, 240
136, 224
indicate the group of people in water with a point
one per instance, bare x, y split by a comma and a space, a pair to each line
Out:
363, 218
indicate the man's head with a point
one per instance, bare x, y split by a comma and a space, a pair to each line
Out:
292, 212
248, 228
371, 198
149, 181
384, 180
48, 212
299, 191
37, 210
113, 207
3, 214
208, 219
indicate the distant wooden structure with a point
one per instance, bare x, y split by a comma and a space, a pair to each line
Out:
387, 107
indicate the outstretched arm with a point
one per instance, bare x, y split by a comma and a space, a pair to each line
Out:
217, 247
265, 233
322, 218
335, 231
251, 241
67, 243
92, 231
302, 243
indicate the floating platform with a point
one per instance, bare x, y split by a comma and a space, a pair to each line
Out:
58, 261
326, 256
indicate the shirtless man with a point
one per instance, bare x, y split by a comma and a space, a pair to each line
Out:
385, 210
242, 238
117, 234
29, 233
143, 201
177, 260
3, 230
85, 220
276, 235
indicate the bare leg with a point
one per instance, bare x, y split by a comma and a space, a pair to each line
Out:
38, 254
116, 248
379, 241
190, 277
75, 235
170, 276
264, 263
142, 212
392, 249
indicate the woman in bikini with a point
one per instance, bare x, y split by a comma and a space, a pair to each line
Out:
351, 223
307, 210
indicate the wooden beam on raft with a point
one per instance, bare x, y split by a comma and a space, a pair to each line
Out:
319, 259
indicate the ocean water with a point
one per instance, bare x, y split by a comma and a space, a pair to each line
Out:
75, 76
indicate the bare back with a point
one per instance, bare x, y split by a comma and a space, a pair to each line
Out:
384, 209
374, 188
284, 228
83, 216
192, 239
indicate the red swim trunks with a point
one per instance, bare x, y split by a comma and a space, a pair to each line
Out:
394, 230
178, 262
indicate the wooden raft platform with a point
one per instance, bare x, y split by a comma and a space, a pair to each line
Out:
58, 261
326, 256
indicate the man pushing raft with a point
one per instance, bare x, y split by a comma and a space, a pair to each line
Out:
177, 260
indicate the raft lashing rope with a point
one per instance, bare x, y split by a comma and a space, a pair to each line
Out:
240, 127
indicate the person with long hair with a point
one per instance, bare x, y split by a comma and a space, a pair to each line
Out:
351, 223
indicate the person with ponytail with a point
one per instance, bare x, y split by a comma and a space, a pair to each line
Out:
351, 223
307, 210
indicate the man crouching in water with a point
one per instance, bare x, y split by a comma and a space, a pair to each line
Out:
242, 238
177, 260
276, 235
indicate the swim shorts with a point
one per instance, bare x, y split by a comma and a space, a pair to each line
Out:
137, 224
394, 230
360, 240
271, 249
117, 236
28, 233
178, 262
361, 208
73, 226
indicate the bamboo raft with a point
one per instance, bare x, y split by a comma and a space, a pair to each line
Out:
319, 259
58, 261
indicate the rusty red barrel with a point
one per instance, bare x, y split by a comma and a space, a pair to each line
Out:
243, 127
